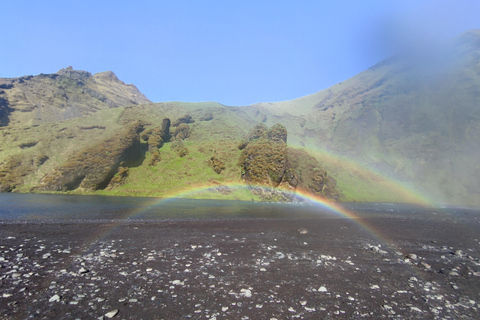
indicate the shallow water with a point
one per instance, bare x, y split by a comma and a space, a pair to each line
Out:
14, 206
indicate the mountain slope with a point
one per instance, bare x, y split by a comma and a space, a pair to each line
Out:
63, 95
415, 117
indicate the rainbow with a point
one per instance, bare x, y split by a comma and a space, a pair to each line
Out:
325, 205
406, 192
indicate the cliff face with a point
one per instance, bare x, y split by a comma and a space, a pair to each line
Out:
63, 95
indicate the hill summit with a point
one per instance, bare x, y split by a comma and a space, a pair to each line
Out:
63, 95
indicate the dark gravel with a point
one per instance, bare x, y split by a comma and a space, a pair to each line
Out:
426, 267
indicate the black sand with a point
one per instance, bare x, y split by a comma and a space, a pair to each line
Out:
242, 269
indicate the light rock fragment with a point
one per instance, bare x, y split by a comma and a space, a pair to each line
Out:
246, 293
303, 231
412, 256
111, 314
82, 270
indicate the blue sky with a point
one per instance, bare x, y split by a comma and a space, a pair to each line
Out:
232, 52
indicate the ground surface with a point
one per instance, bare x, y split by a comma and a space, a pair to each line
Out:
426, 267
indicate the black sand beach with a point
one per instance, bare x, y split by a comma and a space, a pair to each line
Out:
427, 267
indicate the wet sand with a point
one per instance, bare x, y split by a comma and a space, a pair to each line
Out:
426, 267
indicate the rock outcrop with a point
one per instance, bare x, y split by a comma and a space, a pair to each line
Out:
182, 132
216, 164
183, 119
264, 160
311, 177
155, 137
267, 161
93, 167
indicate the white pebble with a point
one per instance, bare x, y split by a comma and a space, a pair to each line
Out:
111, 314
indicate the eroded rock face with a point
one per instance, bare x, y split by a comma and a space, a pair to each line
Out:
311, 177
165, 133
155, 137
183, 119
254, 133
182, 132
92, 168
216, 164
264, 159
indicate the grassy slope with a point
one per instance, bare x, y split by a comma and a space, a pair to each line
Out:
179, 176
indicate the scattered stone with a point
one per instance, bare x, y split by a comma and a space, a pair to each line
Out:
412, 256
459, 253
246, 293
55, 298
303, 231
82, 270
112, 313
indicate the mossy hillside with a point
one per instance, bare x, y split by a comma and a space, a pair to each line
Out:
358, 184
23, 147
175, 175
221, 126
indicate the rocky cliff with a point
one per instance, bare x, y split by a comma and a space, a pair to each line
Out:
63, 95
